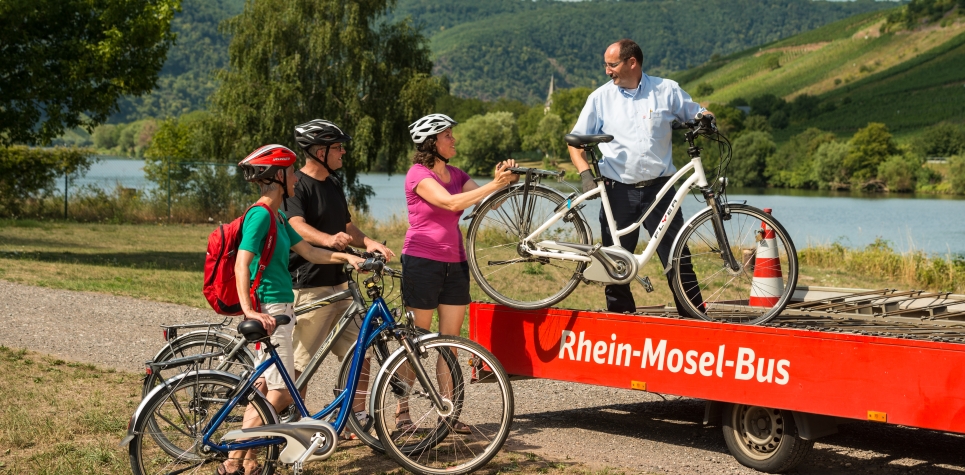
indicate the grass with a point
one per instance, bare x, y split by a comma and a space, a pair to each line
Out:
65, 418
165, 263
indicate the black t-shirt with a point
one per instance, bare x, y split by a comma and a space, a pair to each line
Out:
322, 204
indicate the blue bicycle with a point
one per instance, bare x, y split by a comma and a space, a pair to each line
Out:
439, 404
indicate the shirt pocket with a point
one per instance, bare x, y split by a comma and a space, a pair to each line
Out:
659, 124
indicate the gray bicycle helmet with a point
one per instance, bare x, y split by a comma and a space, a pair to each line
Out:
428, 126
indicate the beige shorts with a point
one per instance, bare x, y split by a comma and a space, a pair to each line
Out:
282, 339
313, 327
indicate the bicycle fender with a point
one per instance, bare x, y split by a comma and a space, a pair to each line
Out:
139, 412
492, 196
689, 222
398, 353
171, 344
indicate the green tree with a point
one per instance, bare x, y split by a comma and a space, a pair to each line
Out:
940, 140
757, 122
751, 150
567, 103
529, 122
484, 140
827, 169
791, 165
65, 63
730, 120
296, 60
548, 138
870, 147
704, 89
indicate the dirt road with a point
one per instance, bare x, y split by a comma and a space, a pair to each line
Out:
620, 430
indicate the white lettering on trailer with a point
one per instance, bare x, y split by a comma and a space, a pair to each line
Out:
747, 366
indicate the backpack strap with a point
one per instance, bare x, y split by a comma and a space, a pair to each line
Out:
266, 255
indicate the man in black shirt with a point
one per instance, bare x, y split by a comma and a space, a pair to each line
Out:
319, 213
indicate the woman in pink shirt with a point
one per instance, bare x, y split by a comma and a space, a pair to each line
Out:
433, 256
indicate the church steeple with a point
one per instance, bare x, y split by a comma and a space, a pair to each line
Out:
549, 96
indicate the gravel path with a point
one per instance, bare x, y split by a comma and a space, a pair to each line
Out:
629, 431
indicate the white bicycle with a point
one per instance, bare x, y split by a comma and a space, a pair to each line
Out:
529, 246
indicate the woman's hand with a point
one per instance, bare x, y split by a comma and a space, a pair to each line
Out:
266, 320
355, 261
503, 175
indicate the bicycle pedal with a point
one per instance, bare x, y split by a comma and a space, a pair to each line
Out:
645, 282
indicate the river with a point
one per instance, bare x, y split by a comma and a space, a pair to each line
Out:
909, 221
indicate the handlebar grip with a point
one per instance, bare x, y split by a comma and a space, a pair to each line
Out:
282, 319
372, 264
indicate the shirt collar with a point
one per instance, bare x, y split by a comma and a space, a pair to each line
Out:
631, 93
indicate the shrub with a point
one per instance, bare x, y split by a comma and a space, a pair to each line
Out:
779, 120
956, 173
940, 140
791, 165
704, 89
899, 173
31, 173
758, 123
827, 167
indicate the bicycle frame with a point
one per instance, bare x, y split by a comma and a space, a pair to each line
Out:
698, 178
343, 402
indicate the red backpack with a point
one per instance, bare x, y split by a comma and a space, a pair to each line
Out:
219, 265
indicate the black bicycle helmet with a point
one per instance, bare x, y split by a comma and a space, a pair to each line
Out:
319, 132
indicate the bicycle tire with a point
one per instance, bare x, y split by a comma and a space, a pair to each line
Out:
377, 354
436, 443
499, 263
191, 401
716, 293
195, 343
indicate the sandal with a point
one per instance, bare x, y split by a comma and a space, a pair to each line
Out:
221, 470
255, 471
458, 427
403, 425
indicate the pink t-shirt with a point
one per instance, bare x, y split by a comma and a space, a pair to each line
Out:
433, 232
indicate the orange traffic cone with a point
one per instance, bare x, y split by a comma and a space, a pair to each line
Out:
768, 282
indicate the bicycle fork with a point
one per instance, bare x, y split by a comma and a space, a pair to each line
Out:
717, 219
412, 354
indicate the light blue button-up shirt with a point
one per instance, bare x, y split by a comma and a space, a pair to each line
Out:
639, 121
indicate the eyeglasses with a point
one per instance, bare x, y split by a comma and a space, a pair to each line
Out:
337, 147
613, 65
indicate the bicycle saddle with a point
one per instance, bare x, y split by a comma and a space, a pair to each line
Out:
581, 140
254, 331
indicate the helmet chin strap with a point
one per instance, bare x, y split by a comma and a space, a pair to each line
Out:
324, 162
440, 157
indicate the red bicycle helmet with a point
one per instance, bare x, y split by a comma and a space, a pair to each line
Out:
263, 163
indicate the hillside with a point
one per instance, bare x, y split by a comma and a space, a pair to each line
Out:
907, 79
185, 81
513, 53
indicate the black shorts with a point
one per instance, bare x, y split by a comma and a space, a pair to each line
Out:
429, 283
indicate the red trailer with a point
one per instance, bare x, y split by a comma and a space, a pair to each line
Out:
880, 355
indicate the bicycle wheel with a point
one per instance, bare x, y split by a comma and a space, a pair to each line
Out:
753, 294
502, 266
375, 354
173, 445
465, 434
196, 343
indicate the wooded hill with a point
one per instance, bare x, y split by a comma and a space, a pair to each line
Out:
844, 75
511, 54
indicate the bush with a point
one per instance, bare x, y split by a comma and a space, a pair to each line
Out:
791, 165
899, 173
758, 123
779, 120
704, 89
956, 174
31, 173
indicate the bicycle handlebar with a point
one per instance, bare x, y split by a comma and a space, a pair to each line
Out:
536, 171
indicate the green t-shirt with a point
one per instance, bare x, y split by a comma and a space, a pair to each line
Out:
276, 282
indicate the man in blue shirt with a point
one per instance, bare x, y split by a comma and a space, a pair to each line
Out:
637, 110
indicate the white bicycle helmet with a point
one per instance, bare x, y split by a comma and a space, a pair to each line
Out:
428, 126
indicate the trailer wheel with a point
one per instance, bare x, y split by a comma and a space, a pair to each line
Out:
762, 438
